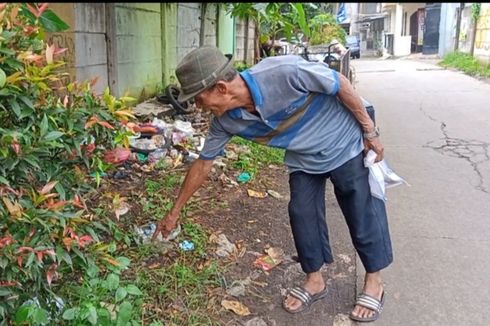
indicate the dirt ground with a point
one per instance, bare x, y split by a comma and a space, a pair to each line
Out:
259, 223
253, 225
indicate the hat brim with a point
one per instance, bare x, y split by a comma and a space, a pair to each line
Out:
183, 97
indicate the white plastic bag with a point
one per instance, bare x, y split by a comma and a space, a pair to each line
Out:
381, 176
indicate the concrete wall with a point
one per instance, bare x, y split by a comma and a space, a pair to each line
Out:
135, 47
447, 28
226, 33
65, 39
90, 43
210, 25
139, 49
402, 45
466, 30
482, 38
245, 50
188, 28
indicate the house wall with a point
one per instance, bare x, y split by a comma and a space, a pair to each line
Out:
482, 37
447, 28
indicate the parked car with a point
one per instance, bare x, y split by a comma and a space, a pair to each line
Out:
353, 43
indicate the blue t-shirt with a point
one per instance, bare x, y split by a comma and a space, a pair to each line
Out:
324, 138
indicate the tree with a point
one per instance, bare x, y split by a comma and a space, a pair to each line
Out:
475, 15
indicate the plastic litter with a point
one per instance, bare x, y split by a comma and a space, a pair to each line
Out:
185, 127
274, 256
157, 155
243, 177
381, 176
145, 233
186, 245
266, 262
256, 194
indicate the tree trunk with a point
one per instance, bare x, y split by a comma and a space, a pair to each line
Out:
473, 37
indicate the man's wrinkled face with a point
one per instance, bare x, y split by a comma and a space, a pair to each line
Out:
211, 100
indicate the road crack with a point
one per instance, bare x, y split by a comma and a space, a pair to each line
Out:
475, 152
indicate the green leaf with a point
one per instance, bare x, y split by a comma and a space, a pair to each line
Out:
52, 23
44, 125
3, 262
124, 314
40, 316
27, 101
5, 292
52, 135
112, 281
32, 160
7, 51
121, 293
30, 260
4, 181
92, 271
123, 262
3, 78
22, 314
16, 108
71, 313
133, 289
104, 317
92, 315
60, 190
64, 255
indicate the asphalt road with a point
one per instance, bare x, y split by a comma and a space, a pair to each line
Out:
435, 125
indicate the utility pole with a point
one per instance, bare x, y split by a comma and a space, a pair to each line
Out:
458, 26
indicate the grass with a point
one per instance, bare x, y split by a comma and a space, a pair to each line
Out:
180, 287
258, 157
466, 63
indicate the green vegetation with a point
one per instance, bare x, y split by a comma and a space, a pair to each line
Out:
258, 156
465, 63
65, 257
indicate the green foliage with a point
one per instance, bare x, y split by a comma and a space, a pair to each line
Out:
102, 301
325, 29
241, 66
52, 133
475, 11
257, 157
466, 63
274, 19
186, 284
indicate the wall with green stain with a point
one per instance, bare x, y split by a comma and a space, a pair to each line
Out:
139, 49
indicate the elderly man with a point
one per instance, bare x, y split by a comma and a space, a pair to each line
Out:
313, 113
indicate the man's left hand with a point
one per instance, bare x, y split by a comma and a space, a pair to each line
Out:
376, 146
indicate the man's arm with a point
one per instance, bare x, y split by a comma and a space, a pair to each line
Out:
349, 97
195, 177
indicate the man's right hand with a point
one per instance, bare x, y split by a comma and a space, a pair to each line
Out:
166, 225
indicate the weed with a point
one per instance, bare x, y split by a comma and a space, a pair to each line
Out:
258, 156
465, 63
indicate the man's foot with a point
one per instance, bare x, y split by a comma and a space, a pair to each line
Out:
314, 284
372, 287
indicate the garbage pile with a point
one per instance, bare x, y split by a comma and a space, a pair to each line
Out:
169, 141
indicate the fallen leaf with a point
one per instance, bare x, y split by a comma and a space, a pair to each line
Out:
275, 253
236, 307
121, 210
274, 194
256, 194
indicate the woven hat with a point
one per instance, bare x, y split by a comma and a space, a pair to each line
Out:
200, 69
